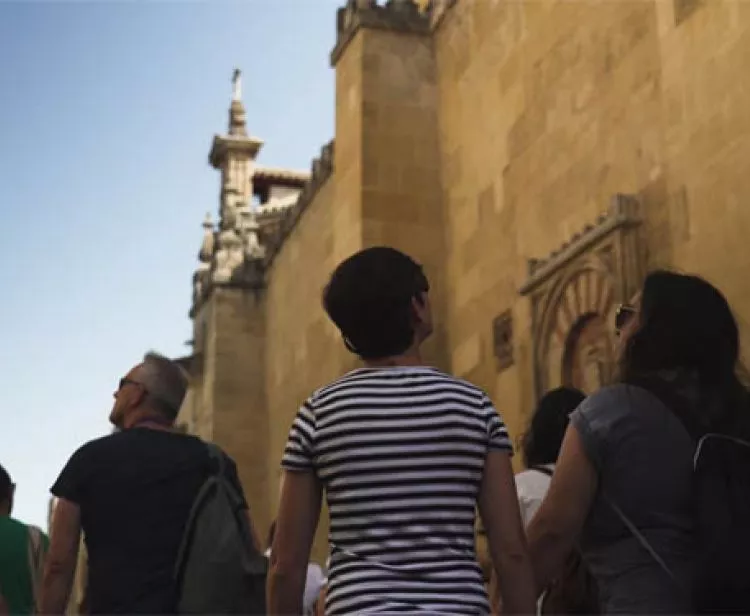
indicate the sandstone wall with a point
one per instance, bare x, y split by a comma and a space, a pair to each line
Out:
547, 109
303, 349
705, 46
401, 182
240, 409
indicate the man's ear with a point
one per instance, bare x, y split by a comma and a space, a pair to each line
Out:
140, 397
417, 308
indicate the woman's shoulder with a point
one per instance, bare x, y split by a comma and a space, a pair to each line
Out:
617, 400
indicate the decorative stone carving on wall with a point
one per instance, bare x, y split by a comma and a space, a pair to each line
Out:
502, 336
574, 293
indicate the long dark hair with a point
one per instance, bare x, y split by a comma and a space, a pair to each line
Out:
686, 330
541, 442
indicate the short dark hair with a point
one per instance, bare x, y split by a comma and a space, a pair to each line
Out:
369, 298
542, 441
6, 484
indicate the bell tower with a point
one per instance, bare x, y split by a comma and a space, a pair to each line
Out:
226, 401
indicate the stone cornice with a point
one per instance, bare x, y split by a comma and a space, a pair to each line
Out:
230, 143
622, 212
255, 284
322, 170
396, 15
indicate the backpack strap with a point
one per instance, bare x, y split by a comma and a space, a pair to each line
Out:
717, 436
214, 453
643, 541
217, 455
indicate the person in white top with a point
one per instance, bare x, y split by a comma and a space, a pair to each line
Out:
540, 447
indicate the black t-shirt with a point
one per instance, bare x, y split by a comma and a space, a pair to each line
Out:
135, 490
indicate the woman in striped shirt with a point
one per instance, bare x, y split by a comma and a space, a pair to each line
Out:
404, 453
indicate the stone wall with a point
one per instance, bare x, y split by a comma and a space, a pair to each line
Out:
401, 184
549, 109
240, 408
303, 350
704, 47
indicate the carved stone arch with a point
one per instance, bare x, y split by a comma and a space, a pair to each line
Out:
574, 294
578, 310
578, 290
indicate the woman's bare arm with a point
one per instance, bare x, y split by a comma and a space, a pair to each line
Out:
554, 529
299, 510
498, 506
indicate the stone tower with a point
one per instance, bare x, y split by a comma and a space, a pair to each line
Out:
387, 155
226, 401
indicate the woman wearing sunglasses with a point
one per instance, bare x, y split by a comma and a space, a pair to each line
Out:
623, 483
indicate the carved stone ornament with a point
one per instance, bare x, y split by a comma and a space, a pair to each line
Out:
502, 337
228, 258
574, 293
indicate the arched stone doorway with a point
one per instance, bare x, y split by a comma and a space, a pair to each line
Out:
588, 360
575, 345
574, 293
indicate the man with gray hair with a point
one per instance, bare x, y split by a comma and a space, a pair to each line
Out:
130, 493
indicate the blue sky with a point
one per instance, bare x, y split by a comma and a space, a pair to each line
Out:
107, 110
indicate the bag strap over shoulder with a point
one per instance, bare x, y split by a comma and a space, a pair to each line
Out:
644, 542
716, 436
216, 454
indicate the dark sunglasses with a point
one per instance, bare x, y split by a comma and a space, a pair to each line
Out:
126, 381
623, 315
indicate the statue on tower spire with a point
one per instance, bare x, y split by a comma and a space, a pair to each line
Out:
237, 109
237, 85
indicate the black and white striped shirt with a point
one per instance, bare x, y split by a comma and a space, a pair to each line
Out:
400, 452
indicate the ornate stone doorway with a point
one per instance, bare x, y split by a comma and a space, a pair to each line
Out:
574, 294
589, 356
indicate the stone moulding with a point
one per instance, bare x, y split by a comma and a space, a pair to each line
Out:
322, 169
396, 15
222, 144
252, 282
622, 212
